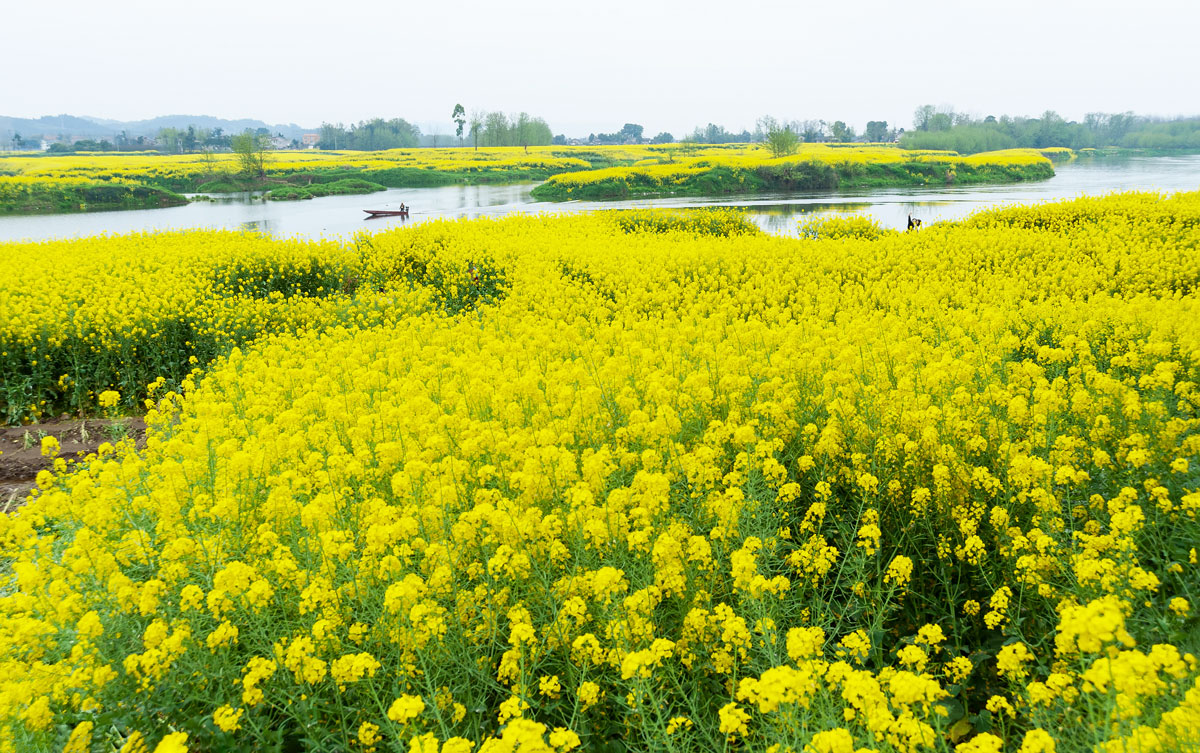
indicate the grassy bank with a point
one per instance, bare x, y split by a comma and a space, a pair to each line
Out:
19, 195
809, 171
344, 187
316, 182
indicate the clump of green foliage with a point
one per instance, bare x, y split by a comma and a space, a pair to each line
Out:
49, 197
343, 187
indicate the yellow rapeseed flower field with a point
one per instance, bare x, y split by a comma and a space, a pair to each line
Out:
78, 317
189, 169
151, 166
180, 169
813, 166
624, 481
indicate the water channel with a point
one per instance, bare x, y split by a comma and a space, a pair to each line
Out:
341, 216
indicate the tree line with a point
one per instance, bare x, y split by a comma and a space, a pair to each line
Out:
498, 129
943, 128
767, 130
933, 128
485, 129
370, 135
170, 140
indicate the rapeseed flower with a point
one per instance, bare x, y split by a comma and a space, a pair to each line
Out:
669, 469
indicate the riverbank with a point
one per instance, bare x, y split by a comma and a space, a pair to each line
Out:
811, 170
318, 183
19, 195
459, 183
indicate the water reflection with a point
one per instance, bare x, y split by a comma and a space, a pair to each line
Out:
256, 226
341, 216
788, 218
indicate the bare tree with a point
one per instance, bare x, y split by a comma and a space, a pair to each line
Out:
477, 117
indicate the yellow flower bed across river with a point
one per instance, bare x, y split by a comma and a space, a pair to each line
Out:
661, 167
815, 167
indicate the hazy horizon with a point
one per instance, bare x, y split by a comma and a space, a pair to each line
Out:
595, 68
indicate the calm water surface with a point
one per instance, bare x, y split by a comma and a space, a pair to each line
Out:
782, 213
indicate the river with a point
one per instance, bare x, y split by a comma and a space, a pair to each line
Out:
780, 213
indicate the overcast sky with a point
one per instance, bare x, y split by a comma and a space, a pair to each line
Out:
592, 66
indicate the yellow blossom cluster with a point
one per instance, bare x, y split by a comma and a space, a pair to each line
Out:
86, 322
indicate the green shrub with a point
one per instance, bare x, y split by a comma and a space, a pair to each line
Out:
289, 193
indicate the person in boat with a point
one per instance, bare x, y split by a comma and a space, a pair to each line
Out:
403, 208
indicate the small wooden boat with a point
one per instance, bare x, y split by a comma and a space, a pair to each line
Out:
372, 213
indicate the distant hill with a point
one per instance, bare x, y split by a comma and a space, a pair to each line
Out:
81, 127
54, 125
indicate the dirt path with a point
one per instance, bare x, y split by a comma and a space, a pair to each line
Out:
21, 449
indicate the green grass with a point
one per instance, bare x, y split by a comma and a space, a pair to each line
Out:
346, 186
49, 198
225, 185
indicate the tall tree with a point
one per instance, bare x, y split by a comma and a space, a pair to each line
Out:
781, 139
841, 132
217, 137
523, 128
877, 131
496, 130
477, 126
812, 130
940, 121
333, 137
251, 150
632, 132
208, 159
459, 116
168, 139
921, 117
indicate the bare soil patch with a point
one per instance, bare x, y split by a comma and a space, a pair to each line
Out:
21, 449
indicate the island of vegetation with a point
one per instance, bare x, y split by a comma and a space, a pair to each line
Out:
20, 195
343, 187
819, 167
